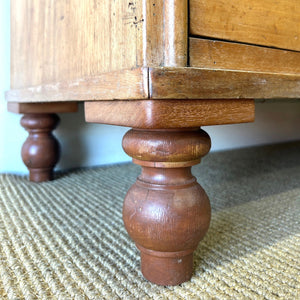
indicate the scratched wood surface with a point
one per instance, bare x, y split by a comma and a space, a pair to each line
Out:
268, 22
202, 83
166, 83
205, 53
54, 41
120, 50
123, 84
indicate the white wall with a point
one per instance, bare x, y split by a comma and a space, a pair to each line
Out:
275, 122
93, 144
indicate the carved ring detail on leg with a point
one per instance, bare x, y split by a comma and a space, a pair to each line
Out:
40, 152
166, 212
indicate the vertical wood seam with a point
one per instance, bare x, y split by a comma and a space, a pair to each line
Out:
149, 87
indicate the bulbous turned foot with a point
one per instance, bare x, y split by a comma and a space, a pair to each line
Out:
40, 152
166, 212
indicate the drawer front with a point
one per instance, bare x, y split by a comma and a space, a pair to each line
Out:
273, 23
212, 54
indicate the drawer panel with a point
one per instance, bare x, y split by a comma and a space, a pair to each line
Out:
267, 23
212, 54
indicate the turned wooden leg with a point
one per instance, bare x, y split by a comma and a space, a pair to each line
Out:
166, 212
40, 152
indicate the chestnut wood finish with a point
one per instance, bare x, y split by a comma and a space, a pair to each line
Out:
267, 23
48, 107
157, 114
58, 41
166, 212
124, 84
136, 64
61, 41
40, 152
197, 83
167, 83
119, 50
214, 54
165, 33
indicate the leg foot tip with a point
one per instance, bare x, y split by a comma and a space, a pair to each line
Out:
166, 268
40, 175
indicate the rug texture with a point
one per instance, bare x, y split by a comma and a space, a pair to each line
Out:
65, 239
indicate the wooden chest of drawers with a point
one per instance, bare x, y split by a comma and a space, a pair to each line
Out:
164, 68
133, 49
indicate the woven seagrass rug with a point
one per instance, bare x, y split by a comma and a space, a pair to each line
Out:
65, 239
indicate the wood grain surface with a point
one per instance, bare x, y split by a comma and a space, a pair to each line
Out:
95, 50
154, 33
170, 113
48, 107
166, 212
197, 83
166, 83
56, 41
60, 41
205, 53
268, 23
124, 84
166, 33
176, 33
